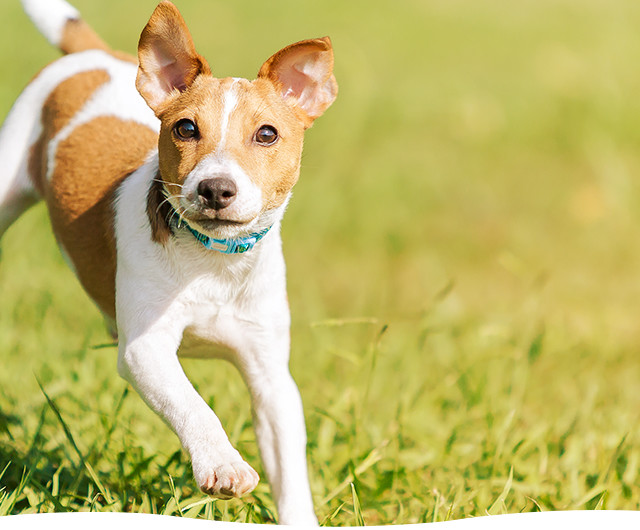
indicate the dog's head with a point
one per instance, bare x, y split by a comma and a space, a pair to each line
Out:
229, 149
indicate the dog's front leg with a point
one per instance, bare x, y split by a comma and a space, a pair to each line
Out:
149, 362
281, 433
282, 438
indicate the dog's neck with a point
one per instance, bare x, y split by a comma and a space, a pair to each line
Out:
238, 245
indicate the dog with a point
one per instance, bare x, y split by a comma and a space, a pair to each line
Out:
166, 188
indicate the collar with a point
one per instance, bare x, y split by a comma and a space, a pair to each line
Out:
238, 245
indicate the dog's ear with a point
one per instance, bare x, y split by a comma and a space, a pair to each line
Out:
168, 59
303, 72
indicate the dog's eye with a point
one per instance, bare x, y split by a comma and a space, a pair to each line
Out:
186, 130
266, 135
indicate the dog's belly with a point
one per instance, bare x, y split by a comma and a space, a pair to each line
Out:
199, 346
215, 332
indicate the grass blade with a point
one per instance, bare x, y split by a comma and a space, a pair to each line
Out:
69, 436
357, 510
499, 506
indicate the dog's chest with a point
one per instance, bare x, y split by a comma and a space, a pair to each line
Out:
215, 333
221, 315
219, 331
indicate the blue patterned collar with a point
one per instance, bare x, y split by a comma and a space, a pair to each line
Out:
238, 245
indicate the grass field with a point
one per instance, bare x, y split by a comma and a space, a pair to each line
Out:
463, 262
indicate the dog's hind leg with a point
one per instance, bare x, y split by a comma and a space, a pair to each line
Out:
15, 201
17, 179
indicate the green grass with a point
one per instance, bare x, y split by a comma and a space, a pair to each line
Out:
463, 266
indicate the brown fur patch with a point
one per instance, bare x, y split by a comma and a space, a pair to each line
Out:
61, 105
274, 168
158, 211
89, 166
78, 36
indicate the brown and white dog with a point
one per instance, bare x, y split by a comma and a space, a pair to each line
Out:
167, 203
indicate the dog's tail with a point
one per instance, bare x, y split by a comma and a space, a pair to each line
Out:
62, 25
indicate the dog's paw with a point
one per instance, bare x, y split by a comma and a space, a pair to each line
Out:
229, 480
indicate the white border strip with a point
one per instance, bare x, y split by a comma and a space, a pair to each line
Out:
618, 520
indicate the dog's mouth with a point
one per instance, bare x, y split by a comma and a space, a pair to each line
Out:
212, 224
212, 218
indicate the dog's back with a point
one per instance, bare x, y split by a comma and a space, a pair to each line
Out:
74, 134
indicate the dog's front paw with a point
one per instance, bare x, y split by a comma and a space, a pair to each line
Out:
228, 480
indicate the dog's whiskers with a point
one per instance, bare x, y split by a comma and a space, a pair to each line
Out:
165, 183
167, 199
180, 211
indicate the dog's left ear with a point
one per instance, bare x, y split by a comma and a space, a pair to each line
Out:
303, 72
168, 59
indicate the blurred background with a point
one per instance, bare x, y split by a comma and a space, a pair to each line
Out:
462, 249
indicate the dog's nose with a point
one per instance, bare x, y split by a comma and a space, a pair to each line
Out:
217, 193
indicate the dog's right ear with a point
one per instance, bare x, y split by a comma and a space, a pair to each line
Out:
303, 73
168, 59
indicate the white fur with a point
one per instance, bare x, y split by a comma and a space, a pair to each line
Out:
50, 17
182, 297
230, 103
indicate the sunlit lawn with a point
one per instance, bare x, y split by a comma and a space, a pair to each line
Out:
463, 266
